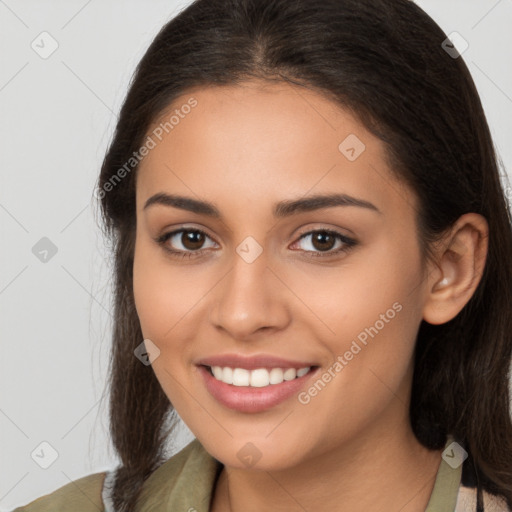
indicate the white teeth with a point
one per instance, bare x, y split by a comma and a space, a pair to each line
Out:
227, 375
290, 374
302, 372
258, 378
276, 376
241, 377
217, 372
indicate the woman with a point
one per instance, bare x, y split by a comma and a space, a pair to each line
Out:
312, 268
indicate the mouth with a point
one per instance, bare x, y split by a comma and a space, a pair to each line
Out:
254, 385
257, 378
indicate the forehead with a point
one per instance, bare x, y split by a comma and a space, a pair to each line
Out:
260, 140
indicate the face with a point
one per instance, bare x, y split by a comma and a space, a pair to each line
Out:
249, 278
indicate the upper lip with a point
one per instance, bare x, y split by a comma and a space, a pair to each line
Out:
252, 362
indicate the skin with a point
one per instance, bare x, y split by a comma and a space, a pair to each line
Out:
244, 148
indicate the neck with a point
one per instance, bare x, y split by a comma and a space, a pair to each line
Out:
383, 468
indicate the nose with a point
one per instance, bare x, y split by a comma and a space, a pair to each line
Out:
251, 298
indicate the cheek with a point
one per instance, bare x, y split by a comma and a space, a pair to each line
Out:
170, 300
155, 293
162, 295
162, 300
375, 312
351, 298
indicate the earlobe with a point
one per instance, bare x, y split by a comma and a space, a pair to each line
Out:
460, 261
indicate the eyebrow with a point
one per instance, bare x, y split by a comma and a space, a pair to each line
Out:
281, 209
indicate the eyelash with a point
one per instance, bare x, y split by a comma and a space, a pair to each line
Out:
349, 243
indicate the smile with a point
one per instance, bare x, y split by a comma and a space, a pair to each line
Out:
256, 383
258, 378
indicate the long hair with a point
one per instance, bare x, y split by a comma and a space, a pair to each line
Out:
383, 60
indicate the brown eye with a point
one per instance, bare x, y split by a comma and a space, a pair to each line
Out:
323, 242
192, 240
184, 242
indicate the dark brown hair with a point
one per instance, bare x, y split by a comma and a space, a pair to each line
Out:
383, 60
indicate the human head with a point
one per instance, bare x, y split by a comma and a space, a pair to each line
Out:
437, 140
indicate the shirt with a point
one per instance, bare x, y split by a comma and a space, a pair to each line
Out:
186, 482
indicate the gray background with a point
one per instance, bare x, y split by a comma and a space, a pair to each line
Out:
57, 117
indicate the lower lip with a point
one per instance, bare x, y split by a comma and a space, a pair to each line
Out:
252, 399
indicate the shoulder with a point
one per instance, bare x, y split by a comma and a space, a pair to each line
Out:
82, 495
186, 478
467, 499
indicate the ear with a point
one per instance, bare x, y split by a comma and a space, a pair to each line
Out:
459, 265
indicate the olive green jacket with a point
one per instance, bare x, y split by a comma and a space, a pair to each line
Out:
186, 481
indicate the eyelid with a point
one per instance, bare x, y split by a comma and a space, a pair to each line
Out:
166, 235
347, 242
327, 228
